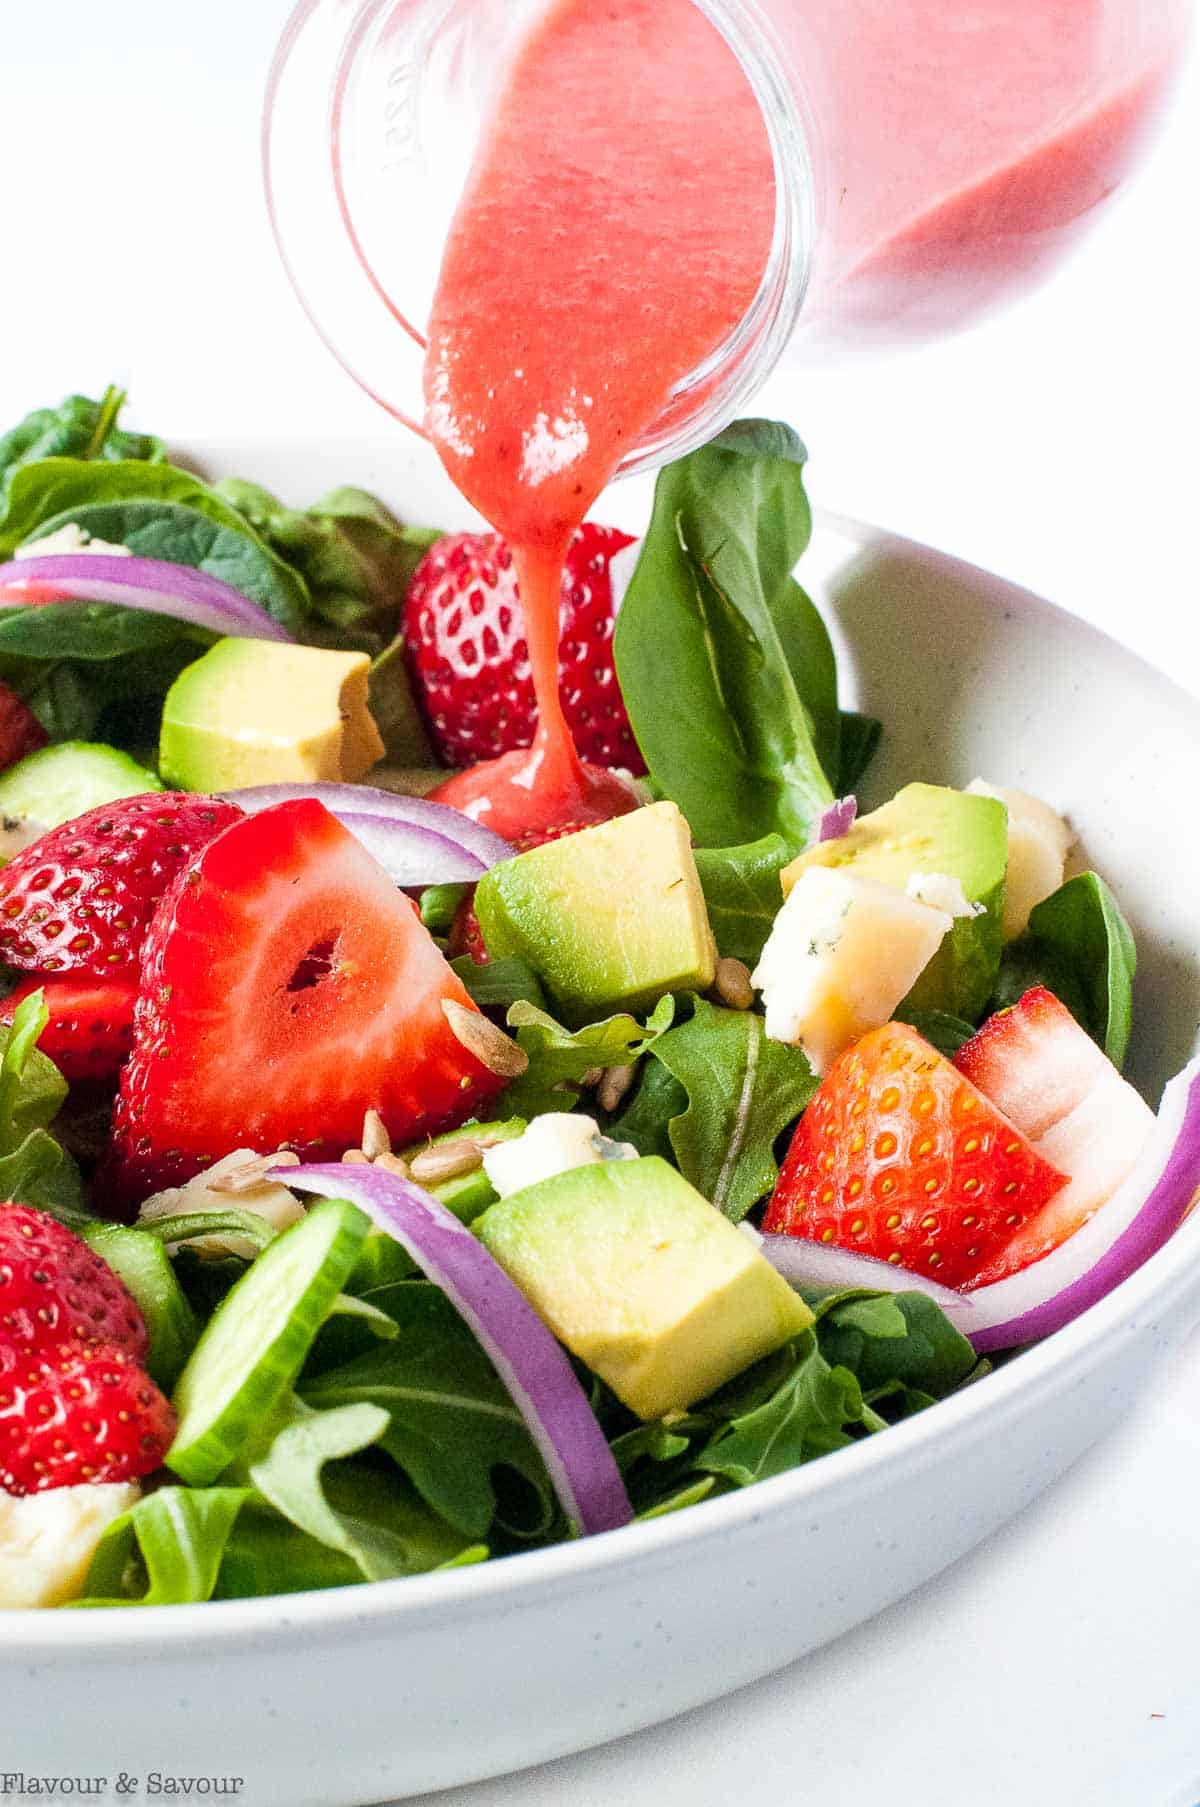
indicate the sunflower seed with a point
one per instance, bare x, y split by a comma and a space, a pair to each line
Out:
375, 1138
733, 985
481, 1038
447, 1161
613, 1087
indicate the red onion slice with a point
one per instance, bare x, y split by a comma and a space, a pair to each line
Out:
138, 583
837, 820
805, 1263
530, 1362
1135, 1223
466, 850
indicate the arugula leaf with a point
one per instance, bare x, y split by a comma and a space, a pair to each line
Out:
33, 1167
861, 735
743, 1091
1079, 945
736, 738
166, 1550
743, 893
647, 1117
451, 1423
559, 1058
886, 1339
500, 983
355, 557
807, 1415
944, 1032
77, 428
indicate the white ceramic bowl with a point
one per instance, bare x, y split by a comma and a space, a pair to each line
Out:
386, 1690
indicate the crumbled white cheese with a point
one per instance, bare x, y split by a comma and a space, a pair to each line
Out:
47, 1540
16, 834
268, 1200
942, 892
66, 541
843, 952
551, 1145
1039, 841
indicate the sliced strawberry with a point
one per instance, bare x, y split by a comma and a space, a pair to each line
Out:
288, 987
466, 936
1046, 1073
898, 1156
465, 633
80, 898
80, 1412
20, 730
90, 1031
54, 1290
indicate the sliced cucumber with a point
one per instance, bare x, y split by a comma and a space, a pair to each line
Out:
255, 1342
142, 1263
61, 782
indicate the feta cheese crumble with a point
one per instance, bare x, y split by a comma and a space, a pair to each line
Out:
552, 1144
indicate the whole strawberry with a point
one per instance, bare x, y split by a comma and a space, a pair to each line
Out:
465, 633
54, 1289
80, 898
90, 1031
78, 1413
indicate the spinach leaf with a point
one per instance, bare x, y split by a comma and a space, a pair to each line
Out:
861, 735
807, 1415
886, 1339
451, 1422
55, 488
183, 534
91, 631
944, 1032
355, 557
1079, 945
743, 893
372, 1519
743, 1091
77, 428
559, 1058
736, 737
399, 720
166, 1550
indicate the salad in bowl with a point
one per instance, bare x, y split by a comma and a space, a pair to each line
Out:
386, 1196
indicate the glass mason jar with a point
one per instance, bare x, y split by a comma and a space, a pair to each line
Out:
931, 158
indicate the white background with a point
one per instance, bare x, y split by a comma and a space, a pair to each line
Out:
1058, 1666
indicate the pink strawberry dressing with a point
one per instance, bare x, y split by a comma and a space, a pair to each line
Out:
618, 220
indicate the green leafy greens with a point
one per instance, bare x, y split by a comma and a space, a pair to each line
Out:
1079, 945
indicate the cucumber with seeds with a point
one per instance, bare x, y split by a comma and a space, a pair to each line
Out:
255, 1343
56, 784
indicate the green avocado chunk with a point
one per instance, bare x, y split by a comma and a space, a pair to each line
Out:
928, 828
56, 784
259, 712
610, 918
643, 1280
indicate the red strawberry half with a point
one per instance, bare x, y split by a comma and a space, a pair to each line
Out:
20, 730
288, 987
78, 1413
90, 1031
465, 633
898, 1156
1046, 1073
80, 898
54, 1290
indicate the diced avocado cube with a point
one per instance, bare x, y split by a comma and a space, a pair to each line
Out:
259, 712
929, 829
611, 917
643, 1280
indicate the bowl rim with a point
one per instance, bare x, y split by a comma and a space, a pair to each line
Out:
1161, 1286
